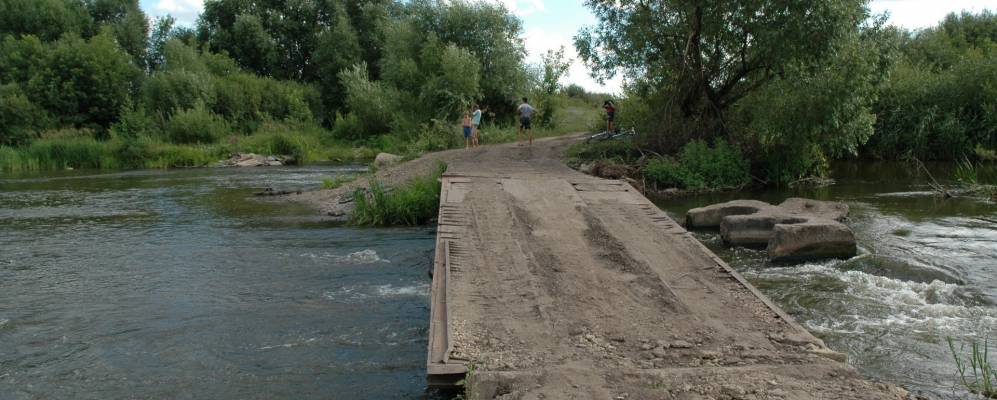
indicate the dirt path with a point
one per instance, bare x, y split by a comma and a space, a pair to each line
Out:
557, 285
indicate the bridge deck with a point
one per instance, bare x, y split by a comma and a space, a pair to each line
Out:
553, 284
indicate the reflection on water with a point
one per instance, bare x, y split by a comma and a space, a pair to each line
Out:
167, 284
927, 270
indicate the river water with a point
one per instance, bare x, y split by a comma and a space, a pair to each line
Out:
175, 284
178, 284
927, 271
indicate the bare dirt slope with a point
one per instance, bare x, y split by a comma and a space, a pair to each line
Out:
565, 286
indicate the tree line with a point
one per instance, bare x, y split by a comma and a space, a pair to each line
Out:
794, 84
364, 71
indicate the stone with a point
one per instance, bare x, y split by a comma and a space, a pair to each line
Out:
680, 344
823, 209
709, 217
810, 240
386, 160
797, 229
254, 160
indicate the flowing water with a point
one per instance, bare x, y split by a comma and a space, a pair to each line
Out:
176, 284
927, 271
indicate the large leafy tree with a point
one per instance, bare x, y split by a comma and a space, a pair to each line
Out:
700, 57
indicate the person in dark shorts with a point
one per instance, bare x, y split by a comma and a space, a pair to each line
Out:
610, 114
525, 114
467, 130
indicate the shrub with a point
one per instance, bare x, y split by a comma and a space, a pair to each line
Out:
701, 167
178, 156
281, 140
665, 173
617, 150
196, 125
438, 135
413, 203
717, 167
168, 92
54, 154
134, 124
20, 119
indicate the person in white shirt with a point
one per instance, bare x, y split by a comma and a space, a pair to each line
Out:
525, 113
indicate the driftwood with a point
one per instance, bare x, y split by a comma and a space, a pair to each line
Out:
935, 186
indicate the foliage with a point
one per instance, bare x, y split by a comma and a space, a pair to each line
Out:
939, 102
702, 58
20, 119
196, 125
83, 82
413, 203
553, 67
337, 181
700, 167
981, 377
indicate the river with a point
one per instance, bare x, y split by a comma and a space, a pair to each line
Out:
927, 271
178, 284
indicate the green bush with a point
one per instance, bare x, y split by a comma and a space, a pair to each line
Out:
303, 146
134, 124
196, 125
55, 154
623, 151
165, 155
700, 167
438, 135
20, 119
717, 167
413, 203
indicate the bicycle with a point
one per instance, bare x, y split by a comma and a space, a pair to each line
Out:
607, 135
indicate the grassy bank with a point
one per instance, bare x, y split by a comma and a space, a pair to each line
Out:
79, 149
698, 166
414, 203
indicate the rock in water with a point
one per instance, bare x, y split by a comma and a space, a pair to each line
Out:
818, 238
709, 217
386, 160
797, 229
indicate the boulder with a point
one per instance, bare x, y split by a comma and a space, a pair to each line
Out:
754, 230
816, 208
253, 160
797, 229
816, 238
386, 160
709, 217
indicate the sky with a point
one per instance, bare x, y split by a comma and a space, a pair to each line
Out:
550, 24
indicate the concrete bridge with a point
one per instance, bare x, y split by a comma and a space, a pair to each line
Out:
551, 284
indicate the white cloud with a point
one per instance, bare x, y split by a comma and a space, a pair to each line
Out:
185, 11
523, 7
538, 41
915, 14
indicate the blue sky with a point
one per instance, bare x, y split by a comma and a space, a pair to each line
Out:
549, 24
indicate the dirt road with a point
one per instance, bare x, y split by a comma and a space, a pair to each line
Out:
557, 285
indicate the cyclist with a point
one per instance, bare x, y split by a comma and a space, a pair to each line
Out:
610, 114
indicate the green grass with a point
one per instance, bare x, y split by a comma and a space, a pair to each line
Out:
337, 181
413, 203
305, 142
976, 373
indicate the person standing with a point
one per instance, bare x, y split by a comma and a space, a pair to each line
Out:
610, 114
467, 130
525, 113
475, 125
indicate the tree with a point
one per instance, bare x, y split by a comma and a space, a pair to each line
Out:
85, 82
699, 58
555, 66
46, 19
